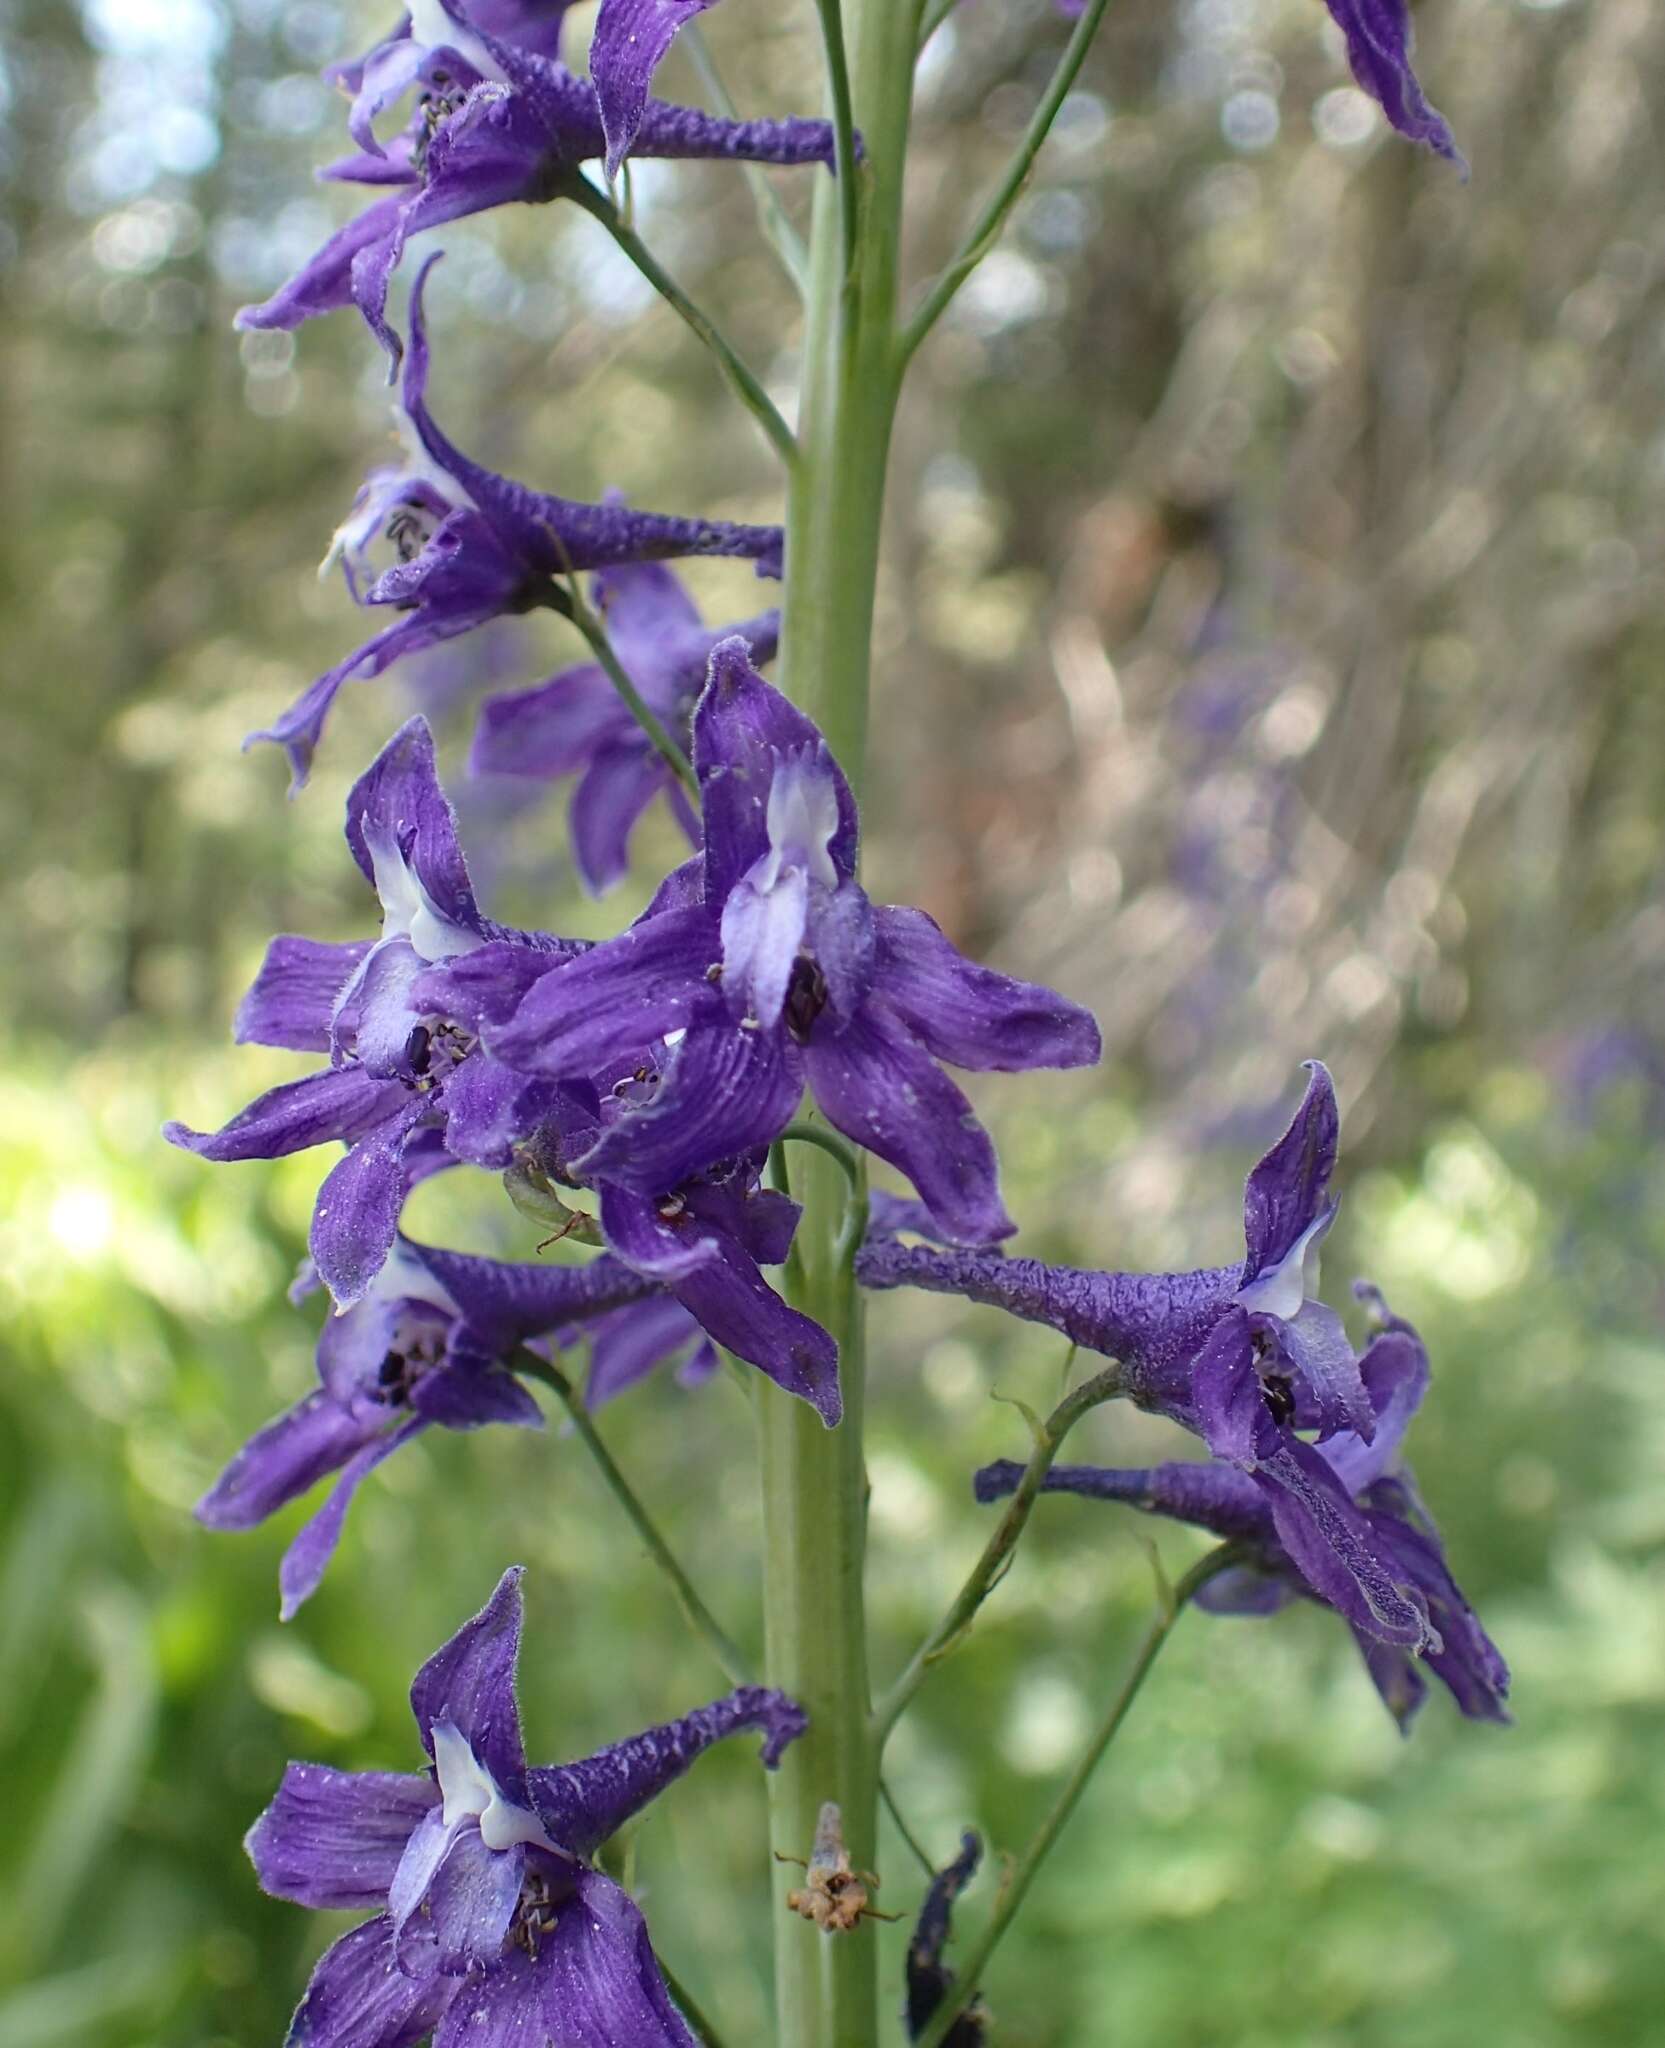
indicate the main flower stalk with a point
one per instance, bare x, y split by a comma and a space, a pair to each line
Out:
814, 1480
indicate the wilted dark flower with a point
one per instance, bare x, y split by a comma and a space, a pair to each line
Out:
1287, 1557
577, 724
430, 1343
929, 1978
492, 1925
1245, 1355
476, 546
497, 121
763, 966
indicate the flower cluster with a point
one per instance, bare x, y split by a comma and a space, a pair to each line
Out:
492, 1923
1304, 1432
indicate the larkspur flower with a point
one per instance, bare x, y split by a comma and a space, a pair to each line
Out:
477, 546
630, 41
928, 1976
497, 122
492, 1924
626, 1344
1244, 1355
403, 1074
1289, 1558
1378, 37
429, 1344
762, 966
577, 724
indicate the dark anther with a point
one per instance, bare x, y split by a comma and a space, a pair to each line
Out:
417, 1049
1279, 1397
806, 997
408, 532
390, 1377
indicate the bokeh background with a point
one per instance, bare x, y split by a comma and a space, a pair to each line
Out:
1269, 654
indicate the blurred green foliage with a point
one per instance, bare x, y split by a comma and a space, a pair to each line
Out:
1267, 655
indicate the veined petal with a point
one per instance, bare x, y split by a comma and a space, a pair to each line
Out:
1288, 1189
307, 1558
466, 1907
504, 1302
403, 834
292, 999
723, 1092
283, 1460
470, 1682
631, 36
333, 1839
471, 1392
611, 796
969, 1015
360, 1998
1378, 34
881, 1088
340, 1102
356, 1216
325, 282
626, 1345
552, 729
616, 1001
1317, 1346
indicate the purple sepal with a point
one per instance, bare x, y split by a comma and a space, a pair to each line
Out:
283, 1460
627, 1344
582, 1804
631, 37
308, 1556
291, 1001
360, 1998
1287, 1189
470, 1683
333, 1839
1378, 37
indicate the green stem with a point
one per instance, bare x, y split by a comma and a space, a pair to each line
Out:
992, 219
992, 1566
814, 1480
1023, 1872
888, 1800
730, 1658
742, 381
778, 230
844, 130
801, 1132
601, 646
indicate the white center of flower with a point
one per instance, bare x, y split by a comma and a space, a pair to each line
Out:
408, 911
470, 1793
434, 29
1281, 1289
802, 819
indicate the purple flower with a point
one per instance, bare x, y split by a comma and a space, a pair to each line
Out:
492, 1928
406, 1067
630, 40
1244, 1355
496, 121
763, 967
1378, 35
476, 546
577, 724
929, 1978
626, 1344
1289, 1552
430, 1343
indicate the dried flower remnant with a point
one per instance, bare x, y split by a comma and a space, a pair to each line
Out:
833, 1896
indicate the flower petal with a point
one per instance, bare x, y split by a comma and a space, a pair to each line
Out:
308, 1556
969, 1015
584, 1803
724, 1091
360, 1998
340, 1102
281, 1461
356, 1216
631, 37
463, 1915
473, 1392
1378, 34
396, 809
881, 1088
551, 729
333, 1839
626, 1346
1287, 1190
611, 796
616, 1001
470, 1682
292, 999
503, 1302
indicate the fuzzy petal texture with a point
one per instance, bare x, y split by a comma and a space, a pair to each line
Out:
285, 1459
470, 1682
465, 1909
333, 1839
631, 37
356, 1216
340, 1102
360, 1998
1288, 1188
969, 1015
291, 1001
582, 1804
